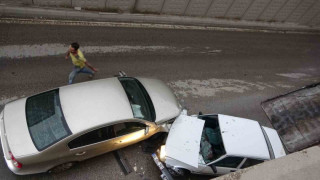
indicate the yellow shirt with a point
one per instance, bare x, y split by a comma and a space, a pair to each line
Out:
78, 60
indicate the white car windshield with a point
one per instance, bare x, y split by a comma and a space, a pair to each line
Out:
211, 145
45, 119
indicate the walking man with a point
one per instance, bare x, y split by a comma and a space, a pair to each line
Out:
79, 62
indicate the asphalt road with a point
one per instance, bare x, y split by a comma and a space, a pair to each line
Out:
210, 71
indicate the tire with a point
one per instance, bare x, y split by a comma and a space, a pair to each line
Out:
62, 167
178, 172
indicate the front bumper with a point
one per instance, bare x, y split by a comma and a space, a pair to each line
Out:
165, 173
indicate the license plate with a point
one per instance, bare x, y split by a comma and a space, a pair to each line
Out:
156, 160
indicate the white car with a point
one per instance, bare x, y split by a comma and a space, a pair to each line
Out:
217, 145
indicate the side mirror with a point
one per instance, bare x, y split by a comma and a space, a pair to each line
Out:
146, 131
214, 168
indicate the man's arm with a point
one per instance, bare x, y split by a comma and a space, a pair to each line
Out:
67, 55
91, 67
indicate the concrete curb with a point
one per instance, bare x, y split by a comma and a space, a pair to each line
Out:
299, 165
70, 14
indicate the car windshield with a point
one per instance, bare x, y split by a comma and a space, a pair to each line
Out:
139, 99
45, 119
211, 144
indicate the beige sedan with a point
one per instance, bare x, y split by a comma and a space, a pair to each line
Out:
52, 130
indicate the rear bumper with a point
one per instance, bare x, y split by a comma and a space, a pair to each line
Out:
4, 142
5, 147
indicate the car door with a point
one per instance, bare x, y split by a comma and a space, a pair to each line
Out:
223, 165
228, 164
128, 133
92, 143
251, 162
109, 138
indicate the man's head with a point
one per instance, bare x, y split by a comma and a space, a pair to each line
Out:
74, 47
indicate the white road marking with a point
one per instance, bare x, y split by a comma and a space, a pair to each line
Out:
24, 51
293, 75
279, 84
210, 87
215, 51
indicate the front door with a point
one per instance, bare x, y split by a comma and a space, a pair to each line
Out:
223, 166
129, 133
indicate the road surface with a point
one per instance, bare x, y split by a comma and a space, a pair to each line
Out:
210, 71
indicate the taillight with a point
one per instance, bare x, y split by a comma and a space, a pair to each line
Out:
15, 162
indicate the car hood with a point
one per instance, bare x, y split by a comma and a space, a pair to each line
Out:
164, 101
275, 142
16, 129
183, 142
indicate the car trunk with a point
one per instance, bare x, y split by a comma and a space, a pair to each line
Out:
15, 129
295, 116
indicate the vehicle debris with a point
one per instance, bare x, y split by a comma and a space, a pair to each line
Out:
122, 161
295, 116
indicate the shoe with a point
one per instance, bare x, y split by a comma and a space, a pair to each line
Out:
91, 76
122, 74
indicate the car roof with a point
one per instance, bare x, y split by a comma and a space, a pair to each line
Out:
94, 103
243, 137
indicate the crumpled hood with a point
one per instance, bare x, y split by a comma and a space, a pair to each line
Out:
183, 142
16, 129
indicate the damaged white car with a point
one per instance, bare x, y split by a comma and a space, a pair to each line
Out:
217, 145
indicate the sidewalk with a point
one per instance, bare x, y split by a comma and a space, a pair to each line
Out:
297, 166
19, 10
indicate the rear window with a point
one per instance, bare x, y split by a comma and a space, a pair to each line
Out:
45, 119
139, 99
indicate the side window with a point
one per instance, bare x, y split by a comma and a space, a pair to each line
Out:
127, 127
92, 137
231, 162
251, 162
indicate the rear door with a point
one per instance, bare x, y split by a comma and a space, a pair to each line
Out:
108, 138
296, 117
92, 143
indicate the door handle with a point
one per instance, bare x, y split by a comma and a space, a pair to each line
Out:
80, 153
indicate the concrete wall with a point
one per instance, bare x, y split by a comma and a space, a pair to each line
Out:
303, 12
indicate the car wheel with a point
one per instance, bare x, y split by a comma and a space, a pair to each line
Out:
61, 167
178, 172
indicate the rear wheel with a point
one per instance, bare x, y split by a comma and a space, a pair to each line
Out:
61, 167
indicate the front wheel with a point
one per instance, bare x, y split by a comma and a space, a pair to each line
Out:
178, 172
61, 167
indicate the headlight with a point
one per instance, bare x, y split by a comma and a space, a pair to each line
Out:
163, 153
